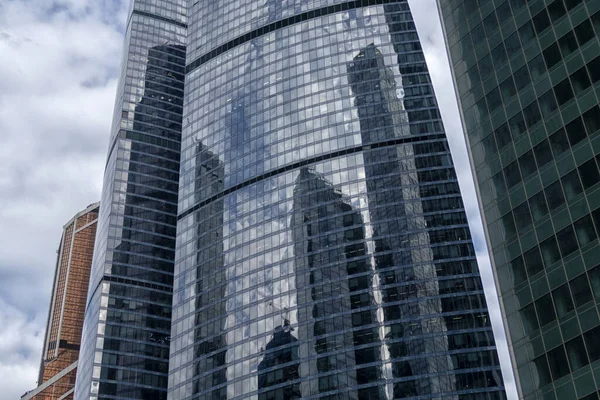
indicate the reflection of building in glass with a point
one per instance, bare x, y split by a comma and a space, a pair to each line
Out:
209, 339
403, 256
379, 274
126, 334
67, 307
336, 312
526, 77
279, 367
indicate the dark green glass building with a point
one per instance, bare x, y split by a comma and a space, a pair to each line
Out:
527, 74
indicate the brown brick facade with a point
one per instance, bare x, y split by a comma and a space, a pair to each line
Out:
67, 307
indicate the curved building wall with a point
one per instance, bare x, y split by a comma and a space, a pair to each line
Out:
127, 323
322, 246
527, 75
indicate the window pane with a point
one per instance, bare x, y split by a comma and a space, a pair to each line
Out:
568, 43
522, 216
554, 195
557, 359
543, 154
550, 251
545, 309
527, 163
518, 270
577, 354
557, 10
589, 174
537, 66
527, 33
580, 80
499, 55
563, 91
552, 56
508, 89
543, 372
585, 231
494, 100
559, 142
562, 300
517, 124
591, 120
580, 288
502, 134
548, 103
592, 342
528, 316
509, 224
512, 174
538, 206
567, 241
594, 275
489, 144
533, 261
571, 185
584, 32
541, 21
498, 181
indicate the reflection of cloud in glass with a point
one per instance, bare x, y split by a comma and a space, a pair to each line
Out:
402, 257
335, 302
368, 324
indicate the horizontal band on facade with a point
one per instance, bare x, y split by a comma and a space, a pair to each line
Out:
127, 281
166, 144
159, 17
263, 30
309, 161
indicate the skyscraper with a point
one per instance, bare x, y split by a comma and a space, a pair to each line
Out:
527, 76
125, 344
322, 246
67, 305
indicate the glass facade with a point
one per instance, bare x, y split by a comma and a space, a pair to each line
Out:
322, 245
125, 343
527, 75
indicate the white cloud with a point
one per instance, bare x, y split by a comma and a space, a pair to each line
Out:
60, 61
57, 84
21, 341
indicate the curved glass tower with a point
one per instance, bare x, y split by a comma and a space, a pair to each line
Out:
322, 245
527, 74
125, 343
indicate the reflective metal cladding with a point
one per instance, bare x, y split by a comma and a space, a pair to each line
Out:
322, 245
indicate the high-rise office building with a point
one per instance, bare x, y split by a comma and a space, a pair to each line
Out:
527, 75
67, 306
125, 344
322, 245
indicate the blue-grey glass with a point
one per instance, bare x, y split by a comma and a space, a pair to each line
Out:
527, 79
322, 246
125, 343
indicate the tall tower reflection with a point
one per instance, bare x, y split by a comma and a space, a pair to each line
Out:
279, 367
209, 337
415, 330
337, 326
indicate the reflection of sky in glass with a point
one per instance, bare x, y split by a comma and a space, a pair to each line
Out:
267, 104
290, 89
263, 283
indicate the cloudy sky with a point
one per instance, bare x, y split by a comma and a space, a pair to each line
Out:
58, 76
